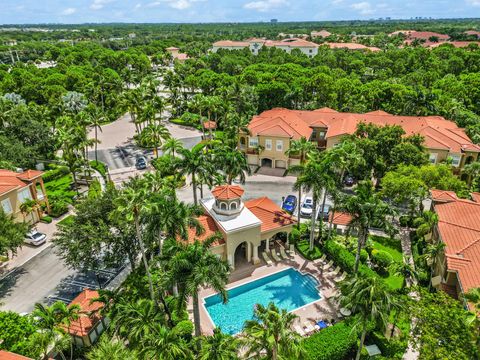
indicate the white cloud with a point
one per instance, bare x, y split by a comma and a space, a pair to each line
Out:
138, 6
99, 4
174, 4
473, 2
364, 8
69, 11
265, 5
337, 2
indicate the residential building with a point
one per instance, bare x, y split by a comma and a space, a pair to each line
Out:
411, 35
271, 132
351, 46
457, 44
255, 45
320, 34
246, 227
176, 54
90, 323
473, 33
16, 187
457, 269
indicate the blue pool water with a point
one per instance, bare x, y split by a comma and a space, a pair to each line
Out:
288, 289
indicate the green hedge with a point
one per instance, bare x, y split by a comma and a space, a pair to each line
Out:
333, 343
391, 349
343, 258
381, 258
56, 173
303, 247
46, 219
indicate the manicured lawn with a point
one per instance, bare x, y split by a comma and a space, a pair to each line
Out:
66, 220
60, 188
303, 248
391, 247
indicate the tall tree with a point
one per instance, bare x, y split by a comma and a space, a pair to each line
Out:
370, 300
194, 266
218, 346
270, 333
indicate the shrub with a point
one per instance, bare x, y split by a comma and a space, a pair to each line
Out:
303, 248
58, 208
294, 236
363, 255
382, 259
165, 165
16, 333
391, 349
56, 173
333, 343
184, 329
46, 219
100, 167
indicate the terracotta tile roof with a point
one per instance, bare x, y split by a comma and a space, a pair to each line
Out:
210, 228
340, 218
209, 125
472, 32
6, 355
89, 316
351, 46
457, 44
269, 213
475, 196
10, 180
229, 43
438, 132
459, 229
227, 192
425, 35
172, 48
181, 56
321, 33
30, 175
291, 43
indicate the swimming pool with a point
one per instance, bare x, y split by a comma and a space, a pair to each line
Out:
288, 289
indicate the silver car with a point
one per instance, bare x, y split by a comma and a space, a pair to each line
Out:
35, 238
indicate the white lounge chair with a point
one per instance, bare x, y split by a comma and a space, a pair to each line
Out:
266, 258
340, 278
335, 272
274, 254
283, 253
308, 326
292, 249
320, 261
299, 330
328, 266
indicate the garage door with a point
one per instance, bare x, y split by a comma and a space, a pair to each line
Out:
281, 164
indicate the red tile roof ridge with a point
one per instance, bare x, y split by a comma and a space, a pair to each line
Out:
456, 256
460, 226
473, 243
436, 194
227, 192
435, 138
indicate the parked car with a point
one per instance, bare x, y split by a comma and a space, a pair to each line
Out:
349, 180
306, 207
290, 203
326, 210
35, 238
141, 163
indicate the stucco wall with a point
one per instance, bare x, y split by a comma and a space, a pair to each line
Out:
233, 240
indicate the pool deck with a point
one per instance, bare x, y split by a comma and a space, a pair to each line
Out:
322, 309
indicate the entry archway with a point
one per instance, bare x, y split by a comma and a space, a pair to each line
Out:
242, 255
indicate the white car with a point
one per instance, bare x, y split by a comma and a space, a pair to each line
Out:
35, 238
307, 207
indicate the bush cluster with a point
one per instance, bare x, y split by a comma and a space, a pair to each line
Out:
382, 259
55, 173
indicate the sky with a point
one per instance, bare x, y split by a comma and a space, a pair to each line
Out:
161, 11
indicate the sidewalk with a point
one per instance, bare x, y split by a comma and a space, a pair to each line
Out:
27, 252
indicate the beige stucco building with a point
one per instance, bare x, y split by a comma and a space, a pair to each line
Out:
246, 227
16, 188
271, 133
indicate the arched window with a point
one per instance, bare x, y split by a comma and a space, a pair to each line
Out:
233, 206
223, 206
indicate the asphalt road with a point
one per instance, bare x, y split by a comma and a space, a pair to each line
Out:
44, 279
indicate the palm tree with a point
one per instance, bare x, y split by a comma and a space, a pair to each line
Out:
27, 208
370, 300
315, 178
131, 206
270, 332
111, 349
172, 146
137, 320
152, 136
130, 101
219, 346
94, 119
194, 162
431, 255
194, 266
53, 320
473, 297
302, 148
164, 344
233, 163
426, 223
366, 209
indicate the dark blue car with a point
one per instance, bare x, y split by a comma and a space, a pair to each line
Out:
289, 204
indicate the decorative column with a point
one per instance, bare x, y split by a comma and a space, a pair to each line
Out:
267, 245
255, 258
249, 251
230, 260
